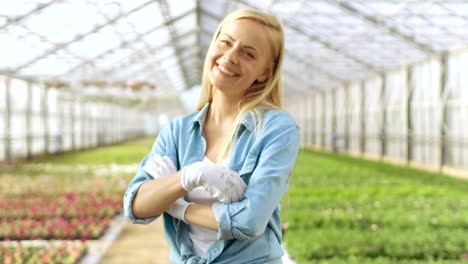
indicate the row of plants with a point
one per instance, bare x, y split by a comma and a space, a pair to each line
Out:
67, 205
436, 214
53, 228
57, 198
57, 216
379, 260
418, 244
65, 253
356, 211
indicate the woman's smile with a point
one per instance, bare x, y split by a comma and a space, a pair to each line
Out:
226, 71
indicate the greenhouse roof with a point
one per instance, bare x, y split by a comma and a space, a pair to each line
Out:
328, 42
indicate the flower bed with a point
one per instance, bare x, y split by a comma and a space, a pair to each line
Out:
67, 196
53, 228
66, 253
65, 205
57, 216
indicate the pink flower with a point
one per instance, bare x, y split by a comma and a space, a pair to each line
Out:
7, 259
46, 258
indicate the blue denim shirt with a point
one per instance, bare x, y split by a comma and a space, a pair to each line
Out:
249, 230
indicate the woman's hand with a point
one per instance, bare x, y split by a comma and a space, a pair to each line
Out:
222, 183
158, 167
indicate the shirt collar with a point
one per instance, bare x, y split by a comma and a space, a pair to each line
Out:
248, 122
199, 119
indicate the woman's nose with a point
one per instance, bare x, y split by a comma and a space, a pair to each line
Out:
231, 56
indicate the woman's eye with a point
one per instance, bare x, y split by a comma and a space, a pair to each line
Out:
249, 54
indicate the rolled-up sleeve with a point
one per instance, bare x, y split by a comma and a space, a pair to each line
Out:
249, 217
161, 147
129, 196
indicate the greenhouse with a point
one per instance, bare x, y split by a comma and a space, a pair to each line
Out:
377, 88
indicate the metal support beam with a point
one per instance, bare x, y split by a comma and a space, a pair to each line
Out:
447, 28
329, 74
122, 36
297, 77
314, 119
45, 118
61, 122
126, 44
345, 6
383, 114
109, 121
165, 11
332, 47
83, 125
362, 118
93, 131
334, 135
154, 69
33, 11
119, 116
28, 121
227, 5
210, 15
7, 116
409, 116
444, 126
72, 122
133, 60
303, 113
347, 115
323, 142
324, 43
309, 111
62, 46
273, 2
199, 69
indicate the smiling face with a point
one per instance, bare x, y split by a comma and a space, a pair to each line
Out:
240, 56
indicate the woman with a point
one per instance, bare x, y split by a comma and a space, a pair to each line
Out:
219, 173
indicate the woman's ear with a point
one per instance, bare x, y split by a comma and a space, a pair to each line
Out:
265, 75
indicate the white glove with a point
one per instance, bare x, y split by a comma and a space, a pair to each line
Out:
222, 183
157, 166
178, 208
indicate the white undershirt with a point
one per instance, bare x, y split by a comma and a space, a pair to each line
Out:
202, 238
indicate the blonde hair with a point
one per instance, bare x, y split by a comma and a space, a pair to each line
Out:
260, 95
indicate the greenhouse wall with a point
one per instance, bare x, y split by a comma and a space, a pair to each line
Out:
355, 115
416, 114
394, 101
39, 120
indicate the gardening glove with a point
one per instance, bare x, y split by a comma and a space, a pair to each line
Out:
157, 166
178, 209
222, 183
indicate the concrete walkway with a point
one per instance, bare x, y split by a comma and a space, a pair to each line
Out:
143, 244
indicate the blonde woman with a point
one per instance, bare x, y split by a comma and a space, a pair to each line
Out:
217, 175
